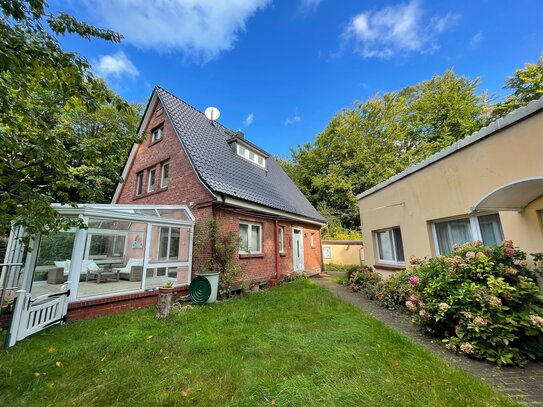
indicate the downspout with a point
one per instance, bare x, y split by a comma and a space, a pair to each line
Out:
277, 273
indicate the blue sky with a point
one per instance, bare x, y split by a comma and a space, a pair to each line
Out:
279, 70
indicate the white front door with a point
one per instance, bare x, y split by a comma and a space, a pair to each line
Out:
298, 249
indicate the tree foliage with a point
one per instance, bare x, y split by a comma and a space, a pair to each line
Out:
64, 133
526, 84
376, 139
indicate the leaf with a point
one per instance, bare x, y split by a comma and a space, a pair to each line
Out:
52, 349
395, 365
149, 338
58, 363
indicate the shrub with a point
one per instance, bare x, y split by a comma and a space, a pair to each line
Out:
362, 278
482, 300
396, 289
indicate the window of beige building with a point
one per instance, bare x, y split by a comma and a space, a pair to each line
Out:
390, 246
486, 228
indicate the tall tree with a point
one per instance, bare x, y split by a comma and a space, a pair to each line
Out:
374, 140
44, 157
526, 84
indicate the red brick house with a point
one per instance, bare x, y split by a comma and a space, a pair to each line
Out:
190, 160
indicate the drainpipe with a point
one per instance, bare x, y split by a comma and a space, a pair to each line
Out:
277, 273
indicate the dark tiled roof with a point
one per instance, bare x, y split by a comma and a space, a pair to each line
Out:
223, 171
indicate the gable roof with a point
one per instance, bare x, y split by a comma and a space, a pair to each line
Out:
515, 116
223, 171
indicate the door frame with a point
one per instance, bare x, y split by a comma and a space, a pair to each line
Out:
294, 249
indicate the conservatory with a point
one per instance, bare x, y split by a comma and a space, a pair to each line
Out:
120, 250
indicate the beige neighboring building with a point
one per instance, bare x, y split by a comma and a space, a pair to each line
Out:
488, 186
343, 252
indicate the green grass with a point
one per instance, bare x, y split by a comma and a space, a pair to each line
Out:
294, 345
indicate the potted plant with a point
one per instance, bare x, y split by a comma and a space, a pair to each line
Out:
166, 288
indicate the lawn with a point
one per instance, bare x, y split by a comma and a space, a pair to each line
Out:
294, 345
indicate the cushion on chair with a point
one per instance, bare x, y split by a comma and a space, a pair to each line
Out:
65, 265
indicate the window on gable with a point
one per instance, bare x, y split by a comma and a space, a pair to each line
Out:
152, 176
281, 233
157, 134
486, 228
251, 155
165, 175
390, 246
250, 237
139, 183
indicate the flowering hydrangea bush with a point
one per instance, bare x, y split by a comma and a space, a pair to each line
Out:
362, 278
482, 300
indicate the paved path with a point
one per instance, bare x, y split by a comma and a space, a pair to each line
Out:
524, 385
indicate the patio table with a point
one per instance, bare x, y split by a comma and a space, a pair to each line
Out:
102, 276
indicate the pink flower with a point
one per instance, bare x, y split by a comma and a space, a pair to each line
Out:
469, 255
477, 242
509, 251
414, 280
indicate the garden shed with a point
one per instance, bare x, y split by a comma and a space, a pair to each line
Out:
120, 255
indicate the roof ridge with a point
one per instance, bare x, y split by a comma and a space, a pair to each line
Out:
193, 108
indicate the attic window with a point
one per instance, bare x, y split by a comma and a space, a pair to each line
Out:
157, 134
251, 155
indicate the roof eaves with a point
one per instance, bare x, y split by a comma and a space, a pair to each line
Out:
497, 125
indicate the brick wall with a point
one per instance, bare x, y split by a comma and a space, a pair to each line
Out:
262, 266
184, 186
87, 309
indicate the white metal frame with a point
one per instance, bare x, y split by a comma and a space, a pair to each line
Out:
294, 228
394, 262
118, 212
474, 226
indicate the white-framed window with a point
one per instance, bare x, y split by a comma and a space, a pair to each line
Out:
251, 155
281, 234
157, 134
139, 183
312, 239
390, 246
152, 178
165, 175
447, 233
250, 237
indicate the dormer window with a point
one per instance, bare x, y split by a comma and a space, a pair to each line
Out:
251, 155
157, 134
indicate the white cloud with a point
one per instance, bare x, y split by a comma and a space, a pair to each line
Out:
395, 29
115, 65
249, 120
293, 119
476, 40
201, 29
310, 5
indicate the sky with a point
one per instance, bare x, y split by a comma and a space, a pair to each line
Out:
280, 70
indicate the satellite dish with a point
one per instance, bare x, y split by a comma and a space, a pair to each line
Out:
212, 113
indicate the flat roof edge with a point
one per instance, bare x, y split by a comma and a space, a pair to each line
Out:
497, 125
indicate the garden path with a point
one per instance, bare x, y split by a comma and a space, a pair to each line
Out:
524, 385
